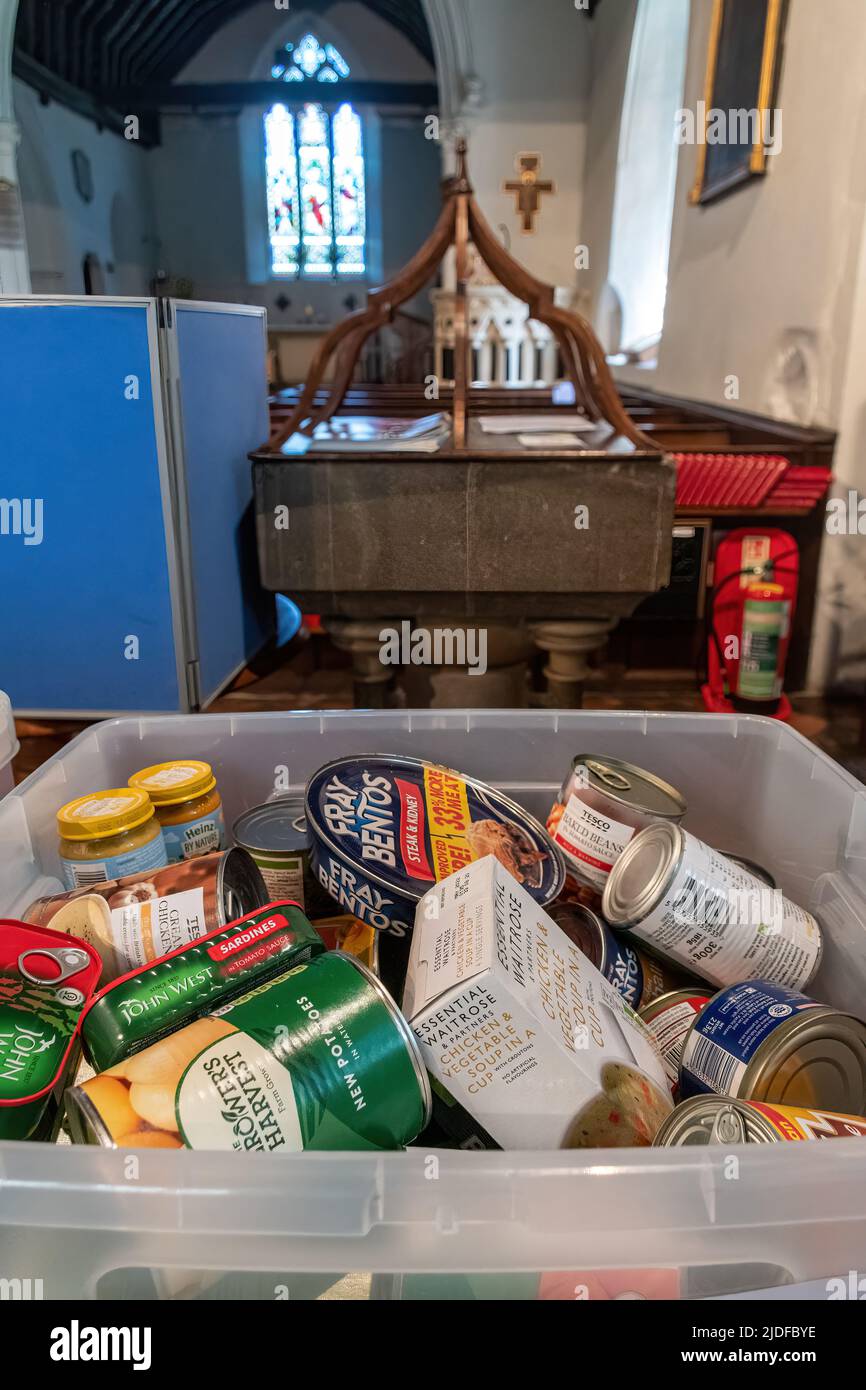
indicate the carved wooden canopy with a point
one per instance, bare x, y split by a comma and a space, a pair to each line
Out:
460, 224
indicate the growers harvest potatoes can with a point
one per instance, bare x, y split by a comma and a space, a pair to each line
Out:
319, 1058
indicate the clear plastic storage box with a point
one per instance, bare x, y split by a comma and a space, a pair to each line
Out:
98, 1223
8, 745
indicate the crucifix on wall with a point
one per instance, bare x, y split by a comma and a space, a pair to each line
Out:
528, 189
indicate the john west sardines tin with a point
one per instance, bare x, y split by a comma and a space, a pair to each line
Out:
134, 920
45, 982
704, 913
759, 1041
158, 999
720, 1120
386, 829
602, 804
319, 1058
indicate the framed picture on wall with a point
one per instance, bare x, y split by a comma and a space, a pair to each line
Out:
738, 127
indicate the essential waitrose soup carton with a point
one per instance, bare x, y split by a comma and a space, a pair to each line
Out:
517, 1026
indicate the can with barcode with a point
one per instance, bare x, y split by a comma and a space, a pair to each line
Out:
706, 914
603, 803
761, 1042
669, 1019
720, 1120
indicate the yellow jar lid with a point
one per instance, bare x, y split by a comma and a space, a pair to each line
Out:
102, 814
167, 784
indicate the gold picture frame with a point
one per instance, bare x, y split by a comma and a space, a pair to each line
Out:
717, 174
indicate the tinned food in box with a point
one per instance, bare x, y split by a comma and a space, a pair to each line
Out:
669, 1018
276, 837
704, 913
760, 1041
518, 1026
385, 829
720, 1120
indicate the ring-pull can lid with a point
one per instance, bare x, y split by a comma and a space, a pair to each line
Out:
727, 1127
45, 980
45, 966
712, 1120
609, 775
629, 785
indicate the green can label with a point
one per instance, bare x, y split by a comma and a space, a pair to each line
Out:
317, 1059
166, 995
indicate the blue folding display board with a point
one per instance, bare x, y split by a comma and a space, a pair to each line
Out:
128, 570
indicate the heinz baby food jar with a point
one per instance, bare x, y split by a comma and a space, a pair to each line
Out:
109, 835
188, 806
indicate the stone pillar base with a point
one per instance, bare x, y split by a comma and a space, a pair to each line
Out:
363, 641
568, 647
496, 679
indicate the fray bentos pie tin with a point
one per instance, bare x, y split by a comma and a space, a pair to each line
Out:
45, 982
158, 999
385, 829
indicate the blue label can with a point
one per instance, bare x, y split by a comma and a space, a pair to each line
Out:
761, 1041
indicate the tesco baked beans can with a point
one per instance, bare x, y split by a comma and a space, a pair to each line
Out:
603, 803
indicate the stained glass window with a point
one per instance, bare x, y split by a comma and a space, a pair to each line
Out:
309, 59
317, 212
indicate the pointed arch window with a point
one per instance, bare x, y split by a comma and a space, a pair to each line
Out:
316, 176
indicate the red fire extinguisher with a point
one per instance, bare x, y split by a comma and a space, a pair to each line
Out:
755, 583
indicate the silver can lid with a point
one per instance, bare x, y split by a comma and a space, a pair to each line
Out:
712, 1120
277, 827
630, 785
642, 873
817, 1057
